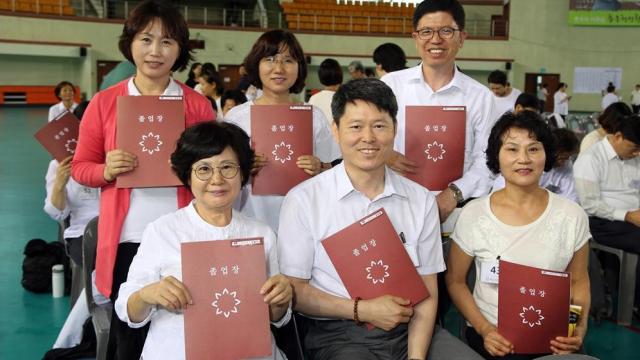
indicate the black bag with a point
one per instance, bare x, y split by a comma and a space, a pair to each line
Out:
39, 257
86, 348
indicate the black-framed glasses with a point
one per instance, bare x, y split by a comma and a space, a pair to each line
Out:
204, 172
445, 32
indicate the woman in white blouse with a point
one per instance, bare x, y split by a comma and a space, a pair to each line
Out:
214, 161
522, 223
561, 100
64, 92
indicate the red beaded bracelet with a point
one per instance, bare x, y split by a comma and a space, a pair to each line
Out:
355, 311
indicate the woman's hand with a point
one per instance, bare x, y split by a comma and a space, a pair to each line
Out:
258, 163
566, 345
310, 164
277, 290
169, 293
63, 172
117, 162
494, 343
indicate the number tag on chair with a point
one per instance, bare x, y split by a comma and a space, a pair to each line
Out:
489, 272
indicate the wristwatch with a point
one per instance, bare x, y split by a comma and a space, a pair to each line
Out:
457, 194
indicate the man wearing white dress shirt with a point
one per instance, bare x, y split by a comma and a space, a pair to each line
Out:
439, 34
364, 111
608, 183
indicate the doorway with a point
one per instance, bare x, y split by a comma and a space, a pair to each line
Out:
532, 82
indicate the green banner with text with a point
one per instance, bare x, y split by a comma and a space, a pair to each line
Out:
604, 18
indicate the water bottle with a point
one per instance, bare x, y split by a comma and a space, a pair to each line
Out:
57, 280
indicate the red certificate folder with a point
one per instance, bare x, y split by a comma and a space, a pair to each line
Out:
228, 318
435, 140
371, 260
149, 127
281, 133
533, 306
60, 136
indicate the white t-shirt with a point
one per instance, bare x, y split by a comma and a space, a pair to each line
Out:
548, 243
327, 203
148, 204
410, 88
58, 109
82, 203
635, 97
561, 103
267, 207
159, 256
506, 103
322, 99
609, 99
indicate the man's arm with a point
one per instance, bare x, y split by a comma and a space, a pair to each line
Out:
385, 312
423, 320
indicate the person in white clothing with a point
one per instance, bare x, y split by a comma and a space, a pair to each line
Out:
364, 125
276, 65
610, 97
504, 95
330, 76
65, 92
561, 100
522, 223
214, 161
609, 121
439, 34
635, 99
229, 100
211, 86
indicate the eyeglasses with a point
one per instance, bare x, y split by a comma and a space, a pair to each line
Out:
445, 32
271, 61
204, 172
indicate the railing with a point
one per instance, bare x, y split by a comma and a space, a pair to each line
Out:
243, 18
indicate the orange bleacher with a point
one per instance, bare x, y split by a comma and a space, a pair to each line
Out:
32, 95
50, 7
328, 15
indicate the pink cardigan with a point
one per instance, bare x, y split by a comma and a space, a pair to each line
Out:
97, 137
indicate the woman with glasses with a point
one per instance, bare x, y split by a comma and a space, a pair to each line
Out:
213, 161
155, 38
277, 66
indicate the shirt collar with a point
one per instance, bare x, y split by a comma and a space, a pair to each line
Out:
392, 185
609, 151
173, 89
416, 76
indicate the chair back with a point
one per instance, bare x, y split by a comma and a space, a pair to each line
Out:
89, 244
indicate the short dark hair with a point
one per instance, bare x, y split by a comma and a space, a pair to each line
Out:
390, 57
630, 128
208, 139
526, 120
609, 119
566, 140
173, 23
192, 75
611, 88
80, 109
330, 72
497, 77
370, 90
236, 95
212, 77
561, 85
452, 7
270, 44
59, 87
528, 101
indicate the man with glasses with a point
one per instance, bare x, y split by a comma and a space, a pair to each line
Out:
439, 34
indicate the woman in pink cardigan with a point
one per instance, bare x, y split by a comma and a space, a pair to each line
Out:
154, 38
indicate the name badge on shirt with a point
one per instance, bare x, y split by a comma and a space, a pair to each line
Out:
489, 272
412, 250
87, 193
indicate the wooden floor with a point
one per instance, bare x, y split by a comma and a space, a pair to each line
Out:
29, 323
